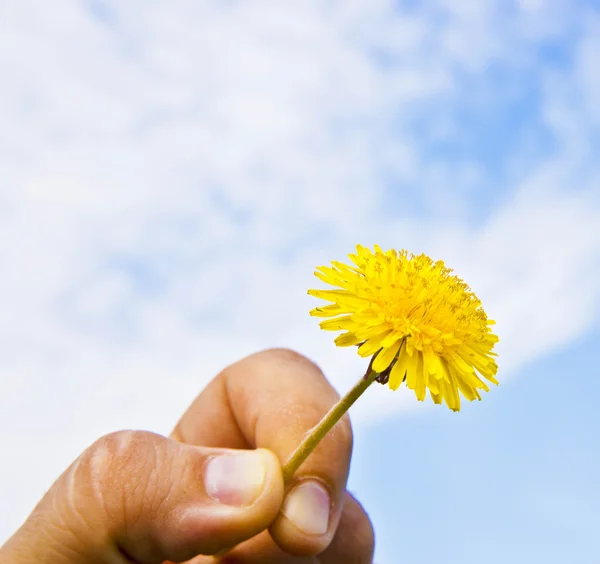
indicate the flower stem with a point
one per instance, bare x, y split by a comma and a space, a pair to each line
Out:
325, 425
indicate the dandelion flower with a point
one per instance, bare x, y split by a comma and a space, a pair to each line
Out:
420, 324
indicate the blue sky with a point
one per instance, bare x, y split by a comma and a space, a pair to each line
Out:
169, 179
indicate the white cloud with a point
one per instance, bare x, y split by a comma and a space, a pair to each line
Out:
169, 180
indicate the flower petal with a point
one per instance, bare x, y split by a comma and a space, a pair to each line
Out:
385, 357
373, 344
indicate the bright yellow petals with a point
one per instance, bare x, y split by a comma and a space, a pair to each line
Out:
385, 357
422, 325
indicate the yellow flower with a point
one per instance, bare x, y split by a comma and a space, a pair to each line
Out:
421, 324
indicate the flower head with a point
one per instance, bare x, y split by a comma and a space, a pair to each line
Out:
419, 323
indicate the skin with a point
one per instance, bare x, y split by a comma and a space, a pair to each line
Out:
138, 497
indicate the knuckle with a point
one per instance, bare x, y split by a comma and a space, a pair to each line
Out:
111, 455
289, 355
121, 468
342, 432
298, 367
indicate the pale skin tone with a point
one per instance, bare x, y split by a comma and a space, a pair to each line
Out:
137, 497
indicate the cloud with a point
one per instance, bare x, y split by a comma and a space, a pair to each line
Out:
169, 179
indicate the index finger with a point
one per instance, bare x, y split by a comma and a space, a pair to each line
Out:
271, 400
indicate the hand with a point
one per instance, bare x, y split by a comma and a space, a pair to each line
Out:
137, 497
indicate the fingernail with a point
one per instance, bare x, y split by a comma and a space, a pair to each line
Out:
307, 507
236, 479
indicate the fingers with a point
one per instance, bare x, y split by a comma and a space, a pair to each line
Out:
139, 497
259, 550
271, 400
354, 541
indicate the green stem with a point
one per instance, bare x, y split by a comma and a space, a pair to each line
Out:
318, 432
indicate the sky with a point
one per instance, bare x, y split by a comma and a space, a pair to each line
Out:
172, 173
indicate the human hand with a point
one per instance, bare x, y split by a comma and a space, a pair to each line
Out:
137, 497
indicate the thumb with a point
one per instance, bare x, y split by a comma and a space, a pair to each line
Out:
139, 497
